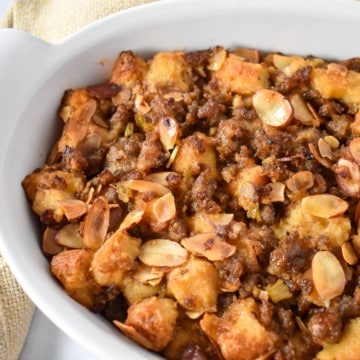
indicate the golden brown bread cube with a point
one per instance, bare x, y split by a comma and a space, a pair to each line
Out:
336, 229
241, 77
71, 268
337, 82
238, 333
151, 321
169, 72
194, 151
348, 348
115, 258
71, 101
135, 291
129, 70
195, 285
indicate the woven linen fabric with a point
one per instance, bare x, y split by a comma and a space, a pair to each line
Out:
50, 20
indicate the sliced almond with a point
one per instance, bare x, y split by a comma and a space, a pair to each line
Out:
354, 148
133, 334
172, 156
164, 208
96, 223
69, 236
162, 252
99, 121
160, 177
193, 314
209, 245
324, 162
325, 149
324, 205
275, 193
77, 126
332, 141
221, 219
272, 107
49, 245
348, 253
217, 58
148, 275
251, 55
301, 111
347, 174
300, 181
146, 186
131, 219
168, 132
317, 120
141, 106
73, 208
328, 275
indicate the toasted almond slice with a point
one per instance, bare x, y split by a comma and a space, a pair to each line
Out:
168, 132
147, 275
73, 208
325, 149
328, 275
276, 193
133, 334
217, 58
131, 219
164, 208
96, 223
317, 119
272, 107
97, 120
193, 314
332, 141
300, 181
146, 186
161, 177
220, 219
141, 106
348, 253
347, 174
301, 111
162, 252
69, 236
354, 148
209, 245
77, 126
251, 55
324, 162
324, 205
49, 244
172, 156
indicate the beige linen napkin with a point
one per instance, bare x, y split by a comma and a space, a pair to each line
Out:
50, 20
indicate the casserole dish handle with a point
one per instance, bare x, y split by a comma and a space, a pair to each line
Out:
24, 57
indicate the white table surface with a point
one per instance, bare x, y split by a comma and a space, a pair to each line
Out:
45, 340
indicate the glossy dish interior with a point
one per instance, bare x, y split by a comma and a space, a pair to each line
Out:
37, 73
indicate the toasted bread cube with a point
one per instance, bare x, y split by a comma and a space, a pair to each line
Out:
244, 186
115, 258
71, 101
337, 83
135, 291
71, 268
195, 285
129, 70
349, 346
238, 333
194, 151
336, 229
169, 72
155, 319
241, 77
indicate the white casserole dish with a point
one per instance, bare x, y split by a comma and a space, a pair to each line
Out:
34, 74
